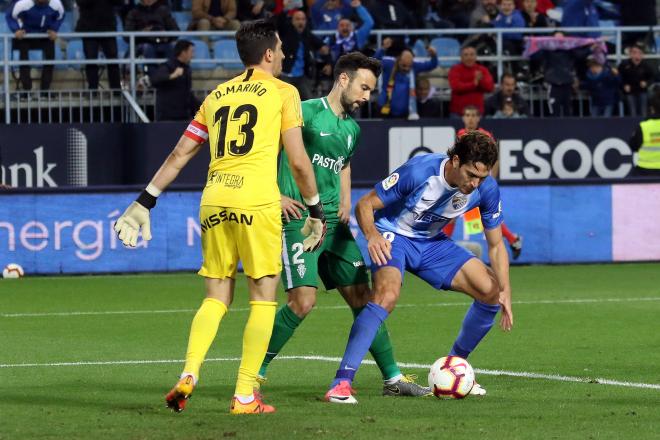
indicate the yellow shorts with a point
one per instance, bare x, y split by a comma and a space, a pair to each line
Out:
230, 234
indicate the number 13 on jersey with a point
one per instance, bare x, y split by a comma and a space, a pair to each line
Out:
235, 130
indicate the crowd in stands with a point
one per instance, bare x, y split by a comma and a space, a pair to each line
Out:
564, 63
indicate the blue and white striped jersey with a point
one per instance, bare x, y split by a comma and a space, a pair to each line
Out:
419, 202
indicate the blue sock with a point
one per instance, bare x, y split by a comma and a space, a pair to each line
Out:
362, 335
477, 322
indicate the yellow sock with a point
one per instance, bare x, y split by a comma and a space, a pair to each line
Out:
202, 332
256, 336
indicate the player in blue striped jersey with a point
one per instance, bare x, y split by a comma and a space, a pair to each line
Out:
402, 219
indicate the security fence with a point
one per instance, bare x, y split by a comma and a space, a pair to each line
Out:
217, 59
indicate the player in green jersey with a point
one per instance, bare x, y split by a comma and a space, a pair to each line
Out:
331, 135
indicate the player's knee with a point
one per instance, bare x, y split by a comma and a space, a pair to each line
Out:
489, 292
301, 306
387, 298
358, 295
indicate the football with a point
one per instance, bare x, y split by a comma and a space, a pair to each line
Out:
12, 270
451, 377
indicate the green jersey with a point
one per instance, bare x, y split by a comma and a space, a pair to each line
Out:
330, 142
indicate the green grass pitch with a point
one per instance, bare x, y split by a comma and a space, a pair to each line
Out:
92, 358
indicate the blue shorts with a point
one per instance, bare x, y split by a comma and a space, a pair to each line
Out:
435, 260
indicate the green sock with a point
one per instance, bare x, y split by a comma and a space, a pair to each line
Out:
381, 350
286, 323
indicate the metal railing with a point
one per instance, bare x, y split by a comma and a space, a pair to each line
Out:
613, 35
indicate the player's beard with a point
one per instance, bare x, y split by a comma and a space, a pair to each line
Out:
347, 105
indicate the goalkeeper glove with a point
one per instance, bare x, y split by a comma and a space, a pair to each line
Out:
135, 217
314, 228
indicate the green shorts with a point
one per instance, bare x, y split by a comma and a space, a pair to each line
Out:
338, 262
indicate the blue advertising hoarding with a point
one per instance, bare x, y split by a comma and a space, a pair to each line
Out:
72, 232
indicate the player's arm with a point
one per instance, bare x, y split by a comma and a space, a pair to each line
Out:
184, 150
303, 174
499, 261
136, 216
378, 246
344, 212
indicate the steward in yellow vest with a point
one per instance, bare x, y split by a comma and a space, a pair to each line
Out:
646, 140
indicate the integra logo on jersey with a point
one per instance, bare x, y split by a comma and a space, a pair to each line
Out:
224, 216
335, 165
458, 201
228, 180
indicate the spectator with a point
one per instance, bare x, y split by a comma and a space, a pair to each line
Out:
602, 83
559, 71
507, 111
458, 11
542, 6
533, 18
580, 13
469, 81
636, 76
483, 17
506, 93
173, 82
298, 44
428, 106
128, 5
148, 15
484, 14
637, 13
248, 10
99, 16
397, 96
287, 6
509, 17
392, 14
214, 15
429, 15
35, 17
644, 140
347, 39
326, 14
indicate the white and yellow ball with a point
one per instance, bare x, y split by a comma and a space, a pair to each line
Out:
451, 377
12, 270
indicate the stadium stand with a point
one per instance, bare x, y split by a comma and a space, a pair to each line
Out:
446, 47
201, 53
221, 58
419, 48
226, 49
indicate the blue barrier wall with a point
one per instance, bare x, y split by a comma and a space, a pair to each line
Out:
72, 233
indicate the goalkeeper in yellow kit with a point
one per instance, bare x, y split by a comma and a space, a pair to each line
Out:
243, 119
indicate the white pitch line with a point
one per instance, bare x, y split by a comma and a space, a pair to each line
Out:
339, 307
523, 374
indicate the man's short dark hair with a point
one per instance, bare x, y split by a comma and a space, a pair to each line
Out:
475, 146
350, 63
471, 108
253, 39
639, 46
507, 75
182, 46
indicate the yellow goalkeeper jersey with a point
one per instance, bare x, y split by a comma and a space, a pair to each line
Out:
243, 119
